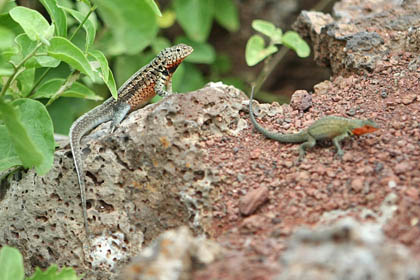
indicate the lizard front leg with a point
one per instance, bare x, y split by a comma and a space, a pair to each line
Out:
160, 85
336, 141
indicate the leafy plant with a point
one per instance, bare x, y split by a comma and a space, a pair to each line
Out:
11, 263
256, 50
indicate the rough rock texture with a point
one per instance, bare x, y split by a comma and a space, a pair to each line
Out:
173, 255
362, 33
347, 250
190, 159
145, 178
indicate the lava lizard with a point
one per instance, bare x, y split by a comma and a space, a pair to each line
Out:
329, 127
142, 86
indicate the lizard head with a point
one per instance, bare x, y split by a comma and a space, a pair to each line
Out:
171, 57
364, 126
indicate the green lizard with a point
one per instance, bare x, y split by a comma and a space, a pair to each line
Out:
330, 127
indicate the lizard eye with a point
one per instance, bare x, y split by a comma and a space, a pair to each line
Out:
178, 49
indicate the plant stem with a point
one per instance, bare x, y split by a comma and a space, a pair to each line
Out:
18, 69
74, 75
269, 65
92, 9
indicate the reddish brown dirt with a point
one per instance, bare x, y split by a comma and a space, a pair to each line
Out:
373, 166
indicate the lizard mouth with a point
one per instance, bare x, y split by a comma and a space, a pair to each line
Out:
364, 129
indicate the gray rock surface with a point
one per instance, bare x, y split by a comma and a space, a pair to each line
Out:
346, 250
172, 256
145, 178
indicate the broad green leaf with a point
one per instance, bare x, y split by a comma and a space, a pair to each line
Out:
159, 44
263, 26
132, 22
293, 41
203, 52
9, 156
57, 16
6, 21
52, 273
167, 19
66, 51
103, 62
6, 5
49, 88
256, 51
105, 74
26, 81
32, 22
11, 262
154, 7
27, 150
268, 29
38, 125
227, 14
195, 17
7, 37
88, 26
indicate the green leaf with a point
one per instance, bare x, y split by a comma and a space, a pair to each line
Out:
203, 52
7, 37
167, 19
293, 41
9, 156
11, 261
105, 73
66, 51
26, 81
110, 83
195, 17
29, 154
227, 14
6, 6
256, 51
103, 62
52, 273
32, 22
49, 88
154, 7
88, 26
132, 22
57, 16
268, 29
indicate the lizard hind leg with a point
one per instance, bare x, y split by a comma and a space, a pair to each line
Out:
120, 111
310, 142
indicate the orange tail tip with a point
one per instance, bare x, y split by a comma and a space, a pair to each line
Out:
364, 129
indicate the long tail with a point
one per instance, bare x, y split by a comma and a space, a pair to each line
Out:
285, 138
80, 127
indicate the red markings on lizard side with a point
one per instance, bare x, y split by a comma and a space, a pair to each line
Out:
363, 130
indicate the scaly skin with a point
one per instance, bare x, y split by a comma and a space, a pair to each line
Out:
133, 94
330, 127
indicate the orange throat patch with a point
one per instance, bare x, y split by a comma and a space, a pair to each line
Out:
363, 130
